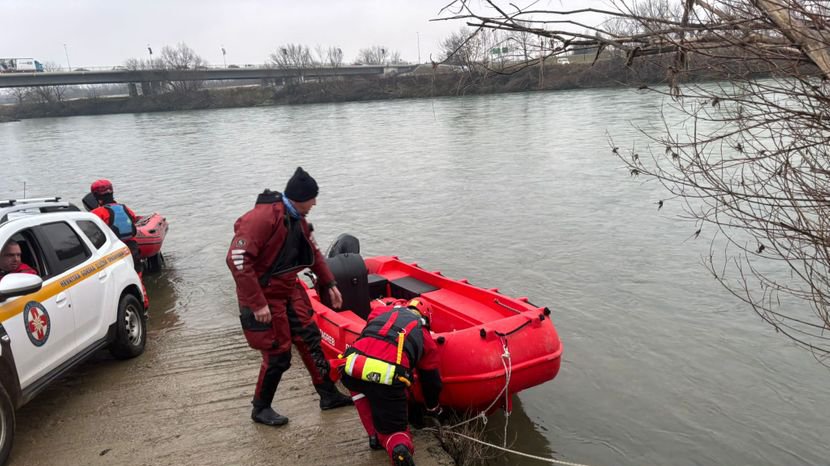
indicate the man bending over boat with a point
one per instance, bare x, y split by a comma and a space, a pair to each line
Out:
121, 219
271, 245
379, 367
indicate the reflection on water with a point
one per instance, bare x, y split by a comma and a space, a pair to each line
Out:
521, 434
519, 192
167, 291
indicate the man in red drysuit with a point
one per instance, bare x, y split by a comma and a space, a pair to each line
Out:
379, 367
271, 245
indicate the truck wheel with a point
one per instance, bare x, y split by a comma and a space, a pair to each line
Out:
7, 423
130, 329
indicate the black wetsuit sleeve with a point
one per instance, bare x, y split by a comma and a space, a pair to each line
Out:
431, 386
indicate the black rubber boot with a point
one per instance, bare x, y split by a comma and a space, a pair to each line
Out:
268, 416
374, 443
330, 396
401, 456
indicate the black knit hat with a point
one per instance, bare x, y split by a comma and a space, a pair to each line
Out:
301, 187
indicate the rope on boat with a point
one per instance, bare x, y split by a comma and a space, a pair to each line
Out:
504, 305
508, 450
507, 363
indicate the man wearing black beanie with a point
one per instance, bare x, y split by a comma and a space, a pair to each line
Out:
301, 187
271, 245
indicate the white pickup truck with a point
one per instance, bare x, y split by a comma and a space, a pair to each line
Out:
68, 288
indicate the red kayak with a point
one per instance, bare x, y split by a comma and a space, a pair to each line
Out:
488, 341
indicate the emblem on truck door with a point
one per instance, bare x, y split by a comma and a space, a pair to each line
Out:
37, 322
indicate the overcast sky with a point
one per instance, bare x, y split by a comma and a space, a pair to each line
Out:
107, 32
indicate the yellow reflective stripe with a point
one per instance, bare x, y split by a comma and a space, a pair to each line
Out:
390, 375
10, 309
401, 337
350, 363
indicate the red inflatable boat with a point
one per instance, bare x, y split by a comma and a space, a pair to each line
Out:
488, 341
150, 233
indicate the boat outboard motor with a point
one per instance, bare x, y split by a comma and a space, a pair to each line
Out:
353, 282
89, 201
345, 243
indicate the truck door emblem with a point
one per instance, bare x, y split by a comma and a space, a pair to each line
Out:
37, 322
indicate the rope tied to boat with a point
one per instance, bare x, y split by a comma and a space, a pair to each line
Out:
508, 450
508, 372
507, 364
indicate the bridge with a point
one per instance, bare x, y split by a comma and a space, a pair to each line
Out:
207, 74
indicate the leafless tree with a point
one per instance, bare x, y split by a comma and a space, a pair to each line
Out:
463, 48
181, 57
395, 58
296, 57
134, 64
21, 94
49, 94
329, 56
525, 43
750, 161
291, 56
645, 16
378, 55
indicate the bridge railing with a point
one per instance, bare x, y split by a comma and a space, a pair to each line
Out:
230, 66
89, 76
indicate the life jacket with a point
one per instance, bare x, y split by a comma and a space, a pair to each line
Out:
120, 221
377, 356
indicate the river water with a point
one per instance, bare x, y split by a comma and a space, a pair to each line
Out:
520, 192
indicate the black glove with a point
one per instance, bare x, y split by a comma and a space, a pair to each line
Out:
415, 413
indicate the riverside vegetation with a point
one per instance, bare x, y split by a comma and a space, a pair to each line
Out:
426, 81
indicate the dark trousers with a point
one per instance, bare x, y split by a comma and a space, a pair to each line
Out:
291, 322
383, 411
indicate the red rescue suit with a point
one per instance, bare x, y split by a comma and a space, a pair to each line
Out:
268, 250
22, 268
104, 214
395, 335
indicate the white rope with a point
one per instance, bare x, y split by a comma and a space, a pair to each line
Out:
508, 450
507, 363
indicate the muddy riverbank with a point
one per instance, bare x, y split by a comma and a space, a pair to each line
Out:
186, 401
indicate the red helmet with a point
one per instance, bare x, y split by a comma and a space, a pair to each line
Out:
422, 307
101, 187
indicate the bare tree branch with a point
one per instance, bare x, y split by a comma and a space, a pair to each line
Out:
749, 156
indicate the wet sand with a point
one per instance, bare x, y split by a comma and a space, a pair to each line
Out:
186, 401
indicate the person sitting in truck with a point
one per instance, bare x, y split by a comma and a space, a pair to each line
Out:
11, 260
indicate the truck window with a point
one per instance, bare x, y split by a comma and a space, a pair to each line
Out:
66, 244
95, 235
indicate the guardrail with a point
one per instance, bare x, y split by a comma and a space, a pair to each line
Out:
124, 68
208, 74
